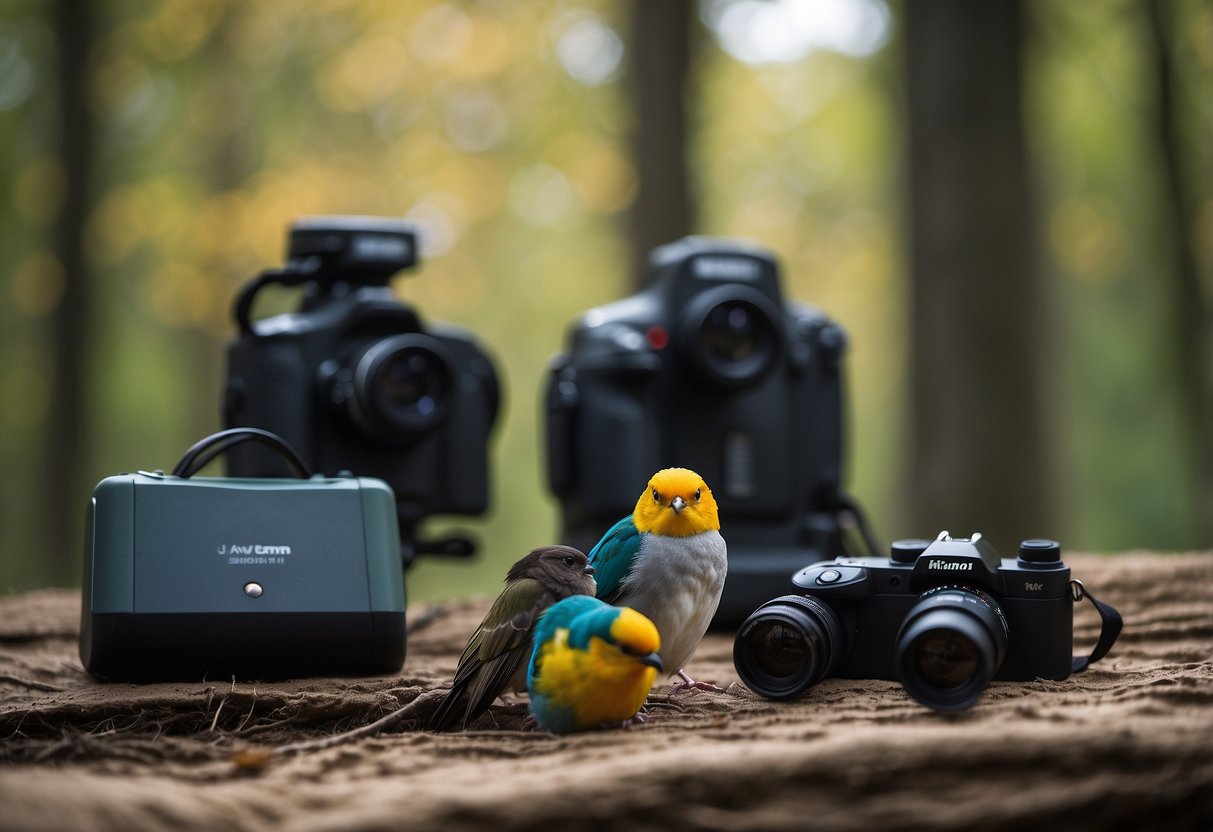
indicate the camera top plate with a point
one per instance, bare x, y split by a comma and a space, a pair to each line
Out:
361, 250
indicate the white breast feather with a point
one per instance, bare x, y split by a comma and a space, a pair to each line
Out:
676, 582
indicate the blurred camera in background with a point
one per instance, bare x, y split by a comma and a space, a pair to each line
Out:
355, 381
707, 368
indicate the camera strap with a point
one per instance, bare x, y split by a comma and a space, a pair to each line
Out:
850, 516
296, 273
1112, 622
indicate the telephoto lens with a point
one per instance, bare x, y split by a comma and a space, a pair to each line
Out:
787, 645
949, 646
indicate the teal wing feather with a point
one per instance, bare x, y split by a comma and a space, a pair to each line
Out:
612, 557
556, 617
595, 623
568, 614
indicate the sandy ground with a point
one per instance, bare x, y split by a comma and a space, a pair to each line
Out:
1127, 745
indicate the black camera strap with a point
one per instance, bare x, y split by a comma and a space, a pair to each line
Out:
296, 273
850, 516
217, 444
1112, 622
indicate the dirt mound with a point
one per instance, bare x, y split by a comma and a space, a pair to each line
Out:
1124, 745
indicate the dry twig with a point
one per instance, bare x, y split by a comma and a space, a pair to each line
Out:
250, 710
28, 683
418, 705
222, 702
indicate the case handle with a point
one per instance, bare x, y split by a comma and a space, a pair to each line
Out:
217, 444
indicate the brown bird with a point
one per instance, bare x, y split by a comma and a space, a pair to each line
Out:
495, 659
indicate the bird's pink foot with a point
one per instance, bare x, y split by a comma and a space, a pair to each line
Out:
688, 683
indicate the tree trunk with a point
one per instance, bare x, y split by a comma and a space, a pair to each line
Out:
1188, 308
979, 330
660, 43
65, 443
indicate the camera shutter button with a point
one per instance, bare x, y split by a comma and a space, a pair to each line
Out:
829, 576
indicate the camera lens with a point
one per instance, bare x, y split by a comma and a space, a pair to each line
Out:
729, 334
946, 659
787, 645
401, 386
950, 645
410, 385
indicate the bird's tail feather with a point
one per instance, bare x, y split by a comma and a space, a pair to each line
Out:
447, 714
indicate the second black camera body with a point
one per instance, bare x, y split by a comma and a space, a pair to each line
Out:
355, 381
707, 368
942, 617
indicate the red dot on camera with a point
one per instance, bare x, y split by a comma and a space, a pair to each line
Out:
658, 337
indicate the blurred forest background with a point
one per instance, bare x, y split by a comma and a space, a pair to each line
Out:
1009, 206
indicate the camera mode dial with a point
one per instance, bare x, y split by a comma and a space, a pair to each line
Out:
907, 551
1040, 550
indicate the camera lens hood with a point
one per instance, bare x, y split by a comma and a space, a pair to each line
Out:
787, 645
731, 334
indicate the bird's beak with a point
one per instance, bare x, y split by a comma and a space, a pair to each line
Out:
589, 570
651, 660
678, 504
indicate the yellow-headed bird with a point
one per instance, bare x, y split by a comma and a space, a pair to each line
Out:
667, 561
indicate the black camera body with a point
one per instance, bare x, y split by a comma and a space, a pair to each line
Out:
707, 368
355, 381
943, 617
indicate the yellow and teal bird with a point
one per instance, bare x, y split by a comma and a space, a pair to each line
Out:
593, 664
495, 659
667, 561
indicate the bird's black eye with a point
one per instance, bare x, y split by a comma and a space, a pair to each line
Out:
569, 560
656, 495
698, 493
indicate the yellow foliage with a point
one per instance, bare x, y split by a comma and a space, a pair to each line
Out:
1088, 238
177, 28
